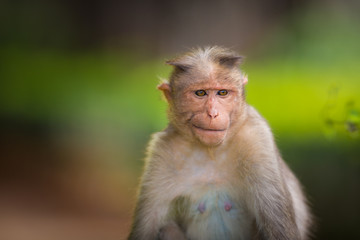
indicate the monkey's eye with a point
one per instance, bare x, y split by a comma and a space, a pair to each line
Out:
222, 92
200, 93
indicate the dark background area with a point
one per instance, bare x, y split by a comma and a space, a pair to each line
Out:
78, 103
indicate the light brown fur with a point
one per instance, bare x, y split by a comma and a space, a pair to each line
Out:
215, 171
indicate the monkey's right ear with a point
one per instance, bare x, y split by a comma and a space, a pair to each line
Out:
166, 89
179, 65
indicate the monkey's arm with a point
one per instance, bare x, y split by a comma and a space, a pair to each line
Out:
150, 222
265, 174
171, 231
271, 203
148, 214
155, 194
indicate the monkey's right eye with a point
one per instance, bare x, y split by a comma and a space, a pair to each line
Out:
200, 93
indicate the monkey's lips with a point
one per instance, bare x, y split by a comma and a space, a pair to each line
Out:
209, 129
210, 136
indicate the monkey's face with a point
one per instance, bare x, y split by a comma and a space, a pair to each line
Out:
206, 110
205, 95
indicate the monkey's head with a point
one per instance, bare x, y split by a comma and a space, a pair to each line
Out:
205, 94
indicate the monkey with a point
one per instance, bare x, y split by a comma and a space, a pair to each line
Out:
215, 172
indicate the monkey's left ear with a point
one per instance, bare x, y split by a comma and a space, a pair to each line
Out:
245, 79
230, 61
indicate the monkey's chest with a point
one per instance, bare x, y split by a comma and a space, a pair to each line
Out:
210, 207
216, 216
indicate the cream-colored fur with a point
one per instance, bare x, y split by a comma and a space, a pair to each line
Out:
234, 185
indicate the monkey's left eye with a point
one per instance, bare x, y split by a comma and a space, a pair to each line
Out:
222, 92
200, 93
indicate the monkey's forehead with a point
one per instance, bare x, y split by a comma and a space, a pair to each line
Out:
211, 84
213, 76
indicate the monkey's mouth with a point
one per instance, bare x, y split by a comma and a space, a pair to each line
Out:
209, 129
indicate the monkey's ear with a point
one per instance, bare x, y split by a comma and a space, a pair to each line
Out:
245, 79
179, 65
230, 61
166, 89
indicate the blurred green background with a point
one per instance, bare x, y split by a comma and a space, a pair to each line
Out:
78, 103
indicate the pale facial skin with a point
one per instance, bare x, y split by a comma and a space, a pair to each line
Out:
211, 106
208, 107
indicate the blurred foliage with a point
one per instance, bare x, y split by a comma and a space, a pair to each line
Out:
304, 79
290, 84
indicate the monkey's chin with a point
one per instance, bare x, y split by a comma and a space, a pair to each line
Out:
210, 137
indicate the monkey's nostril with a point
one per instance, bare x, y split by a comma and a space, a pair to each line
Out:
213, 115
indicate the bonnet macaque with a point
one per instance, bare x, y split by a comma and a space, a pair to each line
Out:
215, 172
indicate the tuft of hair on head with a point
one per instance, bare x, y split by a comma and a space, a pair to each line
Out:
214, 54
222, 56
178, 64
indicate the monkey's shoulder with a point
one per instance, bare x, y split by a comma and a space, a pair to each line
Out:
255, 132
163, 143
255, 121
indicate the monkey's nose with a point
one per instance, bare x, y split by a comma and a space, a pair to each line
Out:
213, 113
